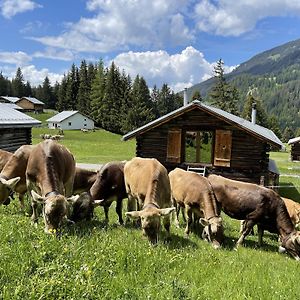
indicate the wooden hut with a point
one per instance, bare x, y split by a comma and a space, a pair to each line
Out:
295, 148
15, 128
31, 104
199, 135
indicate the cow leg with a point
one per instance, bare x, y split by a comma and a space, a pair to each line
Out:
106, 210
260, 233
34, 216
176, 214
21, 199
247, 227
131, 206
189, 223
166, 222
119, 210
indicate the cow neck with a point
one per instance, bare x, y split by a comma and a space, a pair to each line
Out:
210, 203
52, 193
284, 224
148, 205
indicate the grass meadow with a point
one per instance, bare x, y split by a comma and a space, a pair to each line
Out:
95, 260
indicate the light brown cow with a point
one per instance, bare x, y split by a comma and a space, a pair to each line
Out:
50, 177
147, 184
193, 192
12, 176
256, 205
293, 209
4, 157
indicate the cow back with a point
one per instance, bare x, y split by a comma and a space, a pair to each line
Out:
4, 157
83, 180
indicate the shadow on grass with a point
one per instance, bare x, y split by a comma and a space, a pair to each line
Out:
177, 242
289, 190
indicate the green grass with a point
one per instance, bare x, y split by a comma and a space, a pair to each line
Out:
92, 260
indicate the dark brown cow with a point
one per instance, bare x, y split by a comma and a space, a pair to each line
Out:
147, 184
50, 177
256, 205
193, 192
110, 186
83, 208
12, 176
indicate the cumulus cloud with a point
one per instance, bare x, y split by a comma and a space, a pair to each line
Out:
178, 71
119, 24
16, 58
233, 18
52, 53
10, 8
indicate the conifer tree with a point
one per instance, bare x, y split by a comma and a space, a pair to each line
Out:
47, 94
197, 96
83, 98
72, 89
18, 84
62, 103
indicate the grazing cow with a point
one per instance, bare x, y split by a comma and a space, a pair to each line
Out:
293, 209
50, 177
256, 205
4, 157
110, 186
12, 176
193, 192
147, 184
83, 208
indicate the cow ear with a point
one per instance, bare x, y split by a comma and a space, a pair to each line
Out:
133, 214
203, 222
11, 183
98, 202
166, 211
37, 198
73, 199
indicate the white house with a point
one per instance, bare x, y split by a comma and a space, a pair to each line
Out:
70, 120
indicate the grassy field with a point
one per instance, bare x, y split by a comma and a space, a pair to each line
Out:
93, 260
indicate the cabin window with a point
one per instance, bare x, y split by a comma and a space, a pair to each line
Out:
174, 146
70, 123
198, 146
223, 144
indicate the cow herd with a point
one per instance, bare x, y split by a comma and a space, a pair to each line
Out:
66, 193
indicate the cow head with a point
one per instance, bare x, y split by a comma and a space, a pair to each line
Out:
55, 208
82, 208
213, 231
150, 220
6, 188
292, 244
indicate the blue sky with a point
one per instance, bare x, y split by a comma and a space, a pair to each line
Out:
166, 41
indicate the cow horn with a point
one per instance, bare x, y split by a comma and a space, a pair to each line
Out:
37, 198
98, 202
73, 198
298, 239
11, 183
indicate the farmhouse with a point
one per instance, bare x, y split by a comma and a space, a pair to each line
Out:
295, 148
15, 128
70, 120
31, 104
198, 135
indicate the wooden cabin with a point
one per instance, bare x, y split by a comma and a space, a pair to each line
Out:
31, 104
199, 135
295, 148
15, 128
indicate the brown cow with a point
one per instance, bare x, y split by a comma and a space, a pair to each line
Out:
110, 186
256, 205
147, 184
4, 157
83, 208
293, 209
193, 192
50, 177
12, 176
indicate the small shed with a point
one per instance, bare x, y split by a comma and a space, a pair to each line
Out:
295, 148
199, 135
68, 120
15, 128
31, 104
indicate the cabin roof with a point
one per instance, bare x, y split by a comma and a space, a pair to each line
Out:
294, 140
10, 117
33, 100
12, 105
10, 99
254, 129
65, 115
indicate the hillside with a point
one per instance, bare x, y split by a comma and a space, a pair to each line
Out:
276, 76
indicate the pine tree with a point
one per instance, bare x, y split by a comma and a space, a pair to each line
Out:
197, 96
61, 103
222, 94
288, 134
72, 89
18, 84
167, 100
83, 99
27, 89
4, 83
47, 94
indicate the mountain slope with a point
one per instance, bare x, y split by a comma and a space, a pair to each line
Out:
275, 75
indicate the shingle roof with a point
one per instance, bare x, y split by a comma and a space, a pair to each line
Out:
243, 124
33, 100
294, 140
10, 117
62, 116
11, 99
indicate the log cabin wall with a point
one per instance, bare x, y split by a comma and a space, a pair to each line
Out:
248, 160
295, 151
26, 105
12, 138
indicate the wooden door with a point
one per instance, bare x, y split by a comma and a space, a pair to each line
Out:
223, 145
174, 146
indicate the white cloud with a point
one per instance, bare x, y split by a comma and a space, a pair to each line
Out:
16, 58
119, 24
178, 71
233, 18
52, 53
10, 8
